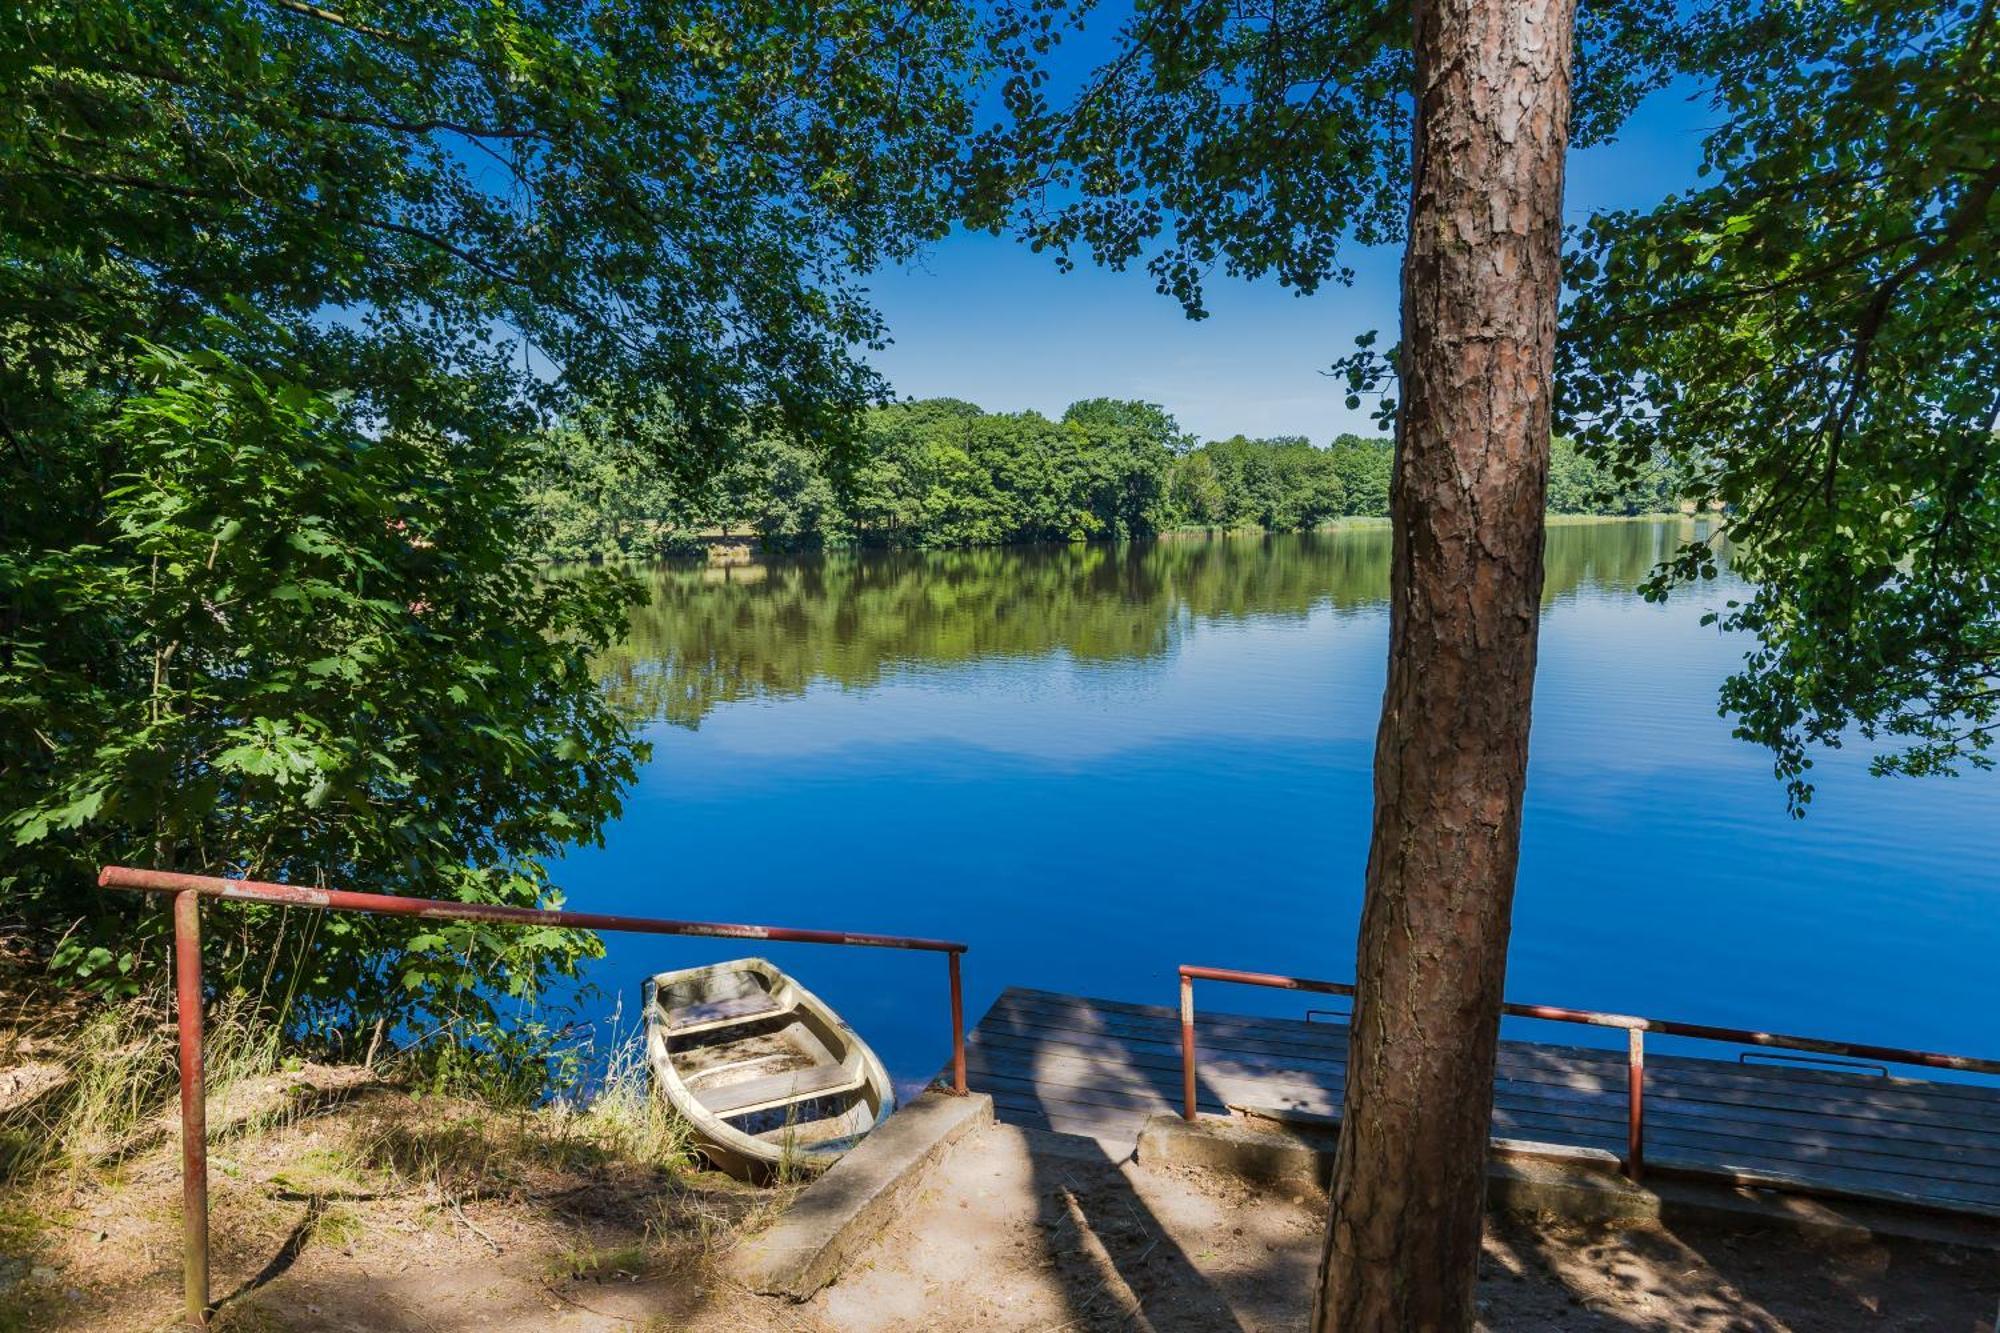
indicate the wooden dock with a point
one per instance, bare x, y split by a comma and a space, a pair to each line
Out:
1101, 1067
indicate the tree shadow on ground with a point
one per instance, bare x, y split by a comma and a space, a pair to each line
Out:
1112, 1257
1709, 1277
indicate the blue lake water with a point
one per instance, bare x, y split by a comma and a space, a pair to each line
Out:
1092, 764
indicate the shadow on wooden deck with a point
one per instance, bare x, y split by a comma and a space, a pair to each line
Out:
1099, 1068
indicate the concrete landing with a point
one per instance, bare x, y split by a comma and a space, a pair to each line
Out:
1580, 1185
858, 1196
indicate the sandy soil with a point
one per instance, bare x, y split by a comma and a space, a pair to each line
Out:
1020, 1231
451, 1221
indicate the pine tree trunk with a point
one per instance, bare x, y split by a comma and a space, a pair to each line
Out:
1480, 283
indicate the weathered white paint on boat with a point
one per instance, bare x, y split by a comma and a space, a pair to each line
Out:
766, 1073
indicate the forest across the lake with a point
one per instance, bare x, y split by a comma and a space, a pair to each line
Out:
945, 473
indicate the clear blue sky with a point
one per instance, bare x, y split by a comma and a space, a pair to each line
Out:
982, 318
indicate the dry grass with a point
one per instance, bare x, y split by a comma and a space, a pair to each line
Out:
461, 1149
113, 1086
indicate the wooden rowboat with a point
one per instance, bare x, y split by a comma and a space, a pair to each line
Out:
769, 1076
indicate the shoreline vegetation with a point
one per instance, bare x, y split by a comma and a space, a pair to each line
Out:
942, 473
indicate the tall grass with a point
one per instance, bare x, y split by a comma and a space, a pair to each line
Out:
481, 1117
118, 1084
626, 1113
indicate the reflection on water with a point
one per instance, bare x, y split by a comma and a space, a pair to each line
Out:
1093, 764
719, 634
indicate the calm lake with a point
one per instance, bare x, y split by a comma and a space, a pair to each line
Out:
1095, 763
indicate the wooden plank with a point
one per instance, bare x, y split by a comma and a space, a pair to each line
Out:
1826, 1126
1746, 1117
1082, 1076
1978, 1101
1321, 1043
1981, 1100
1609, 1102
1050, 1100
1066, 1060
1739, 1088
1076, 1083
1897, 1094
1821, 1124
794, 1085
700, 1017
1169, 1035
1977, 1098
1830, 1180
1972, 1131
1143, 1016
1116, 1136
1165, 1055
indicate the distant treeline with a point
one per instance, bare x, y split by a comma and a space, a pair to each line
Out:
943, 473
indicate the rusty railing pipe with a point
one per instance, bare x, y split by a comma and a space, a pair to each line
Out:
1635, 1103
1187, 1046
957, 1025
435, 909
1662, 1026
194, 1106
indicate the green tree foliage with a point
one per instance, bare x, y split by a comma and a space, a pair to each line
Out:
1365, 465
1283, 485
784, 491
286, 288
598, 490
1246, 140
1810, 335
320, 655
1583, 483
943, 473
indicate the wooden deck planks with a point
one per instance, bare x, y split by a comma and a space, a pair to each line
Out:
1100, 1067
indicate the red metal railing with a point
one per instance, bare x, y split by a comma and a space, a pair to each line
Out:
189, 890
1635, 1043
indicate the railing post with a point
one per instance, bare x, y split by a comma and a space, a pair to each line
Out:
1187, 1045
194, 1105
957, 1027
1635, 1083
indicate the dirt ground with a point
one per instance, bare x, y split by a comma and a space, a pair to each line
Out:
1024, 1231
360, 1207
366, 1209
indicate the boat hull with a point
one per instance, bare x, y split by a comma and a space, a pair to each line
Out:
770, 1079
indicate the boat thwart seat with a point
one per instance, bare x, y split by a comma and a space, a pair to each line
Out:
700, 1017
795, 1085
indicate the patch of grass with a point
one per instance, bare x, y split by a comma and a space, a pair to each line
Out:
460, 1153
120, 1076
323, 1172
338, 1225
25, 1300
689, 1225
464, 1150
790, 1170
247, 1317
623, 1116
22, 1230
630, 1262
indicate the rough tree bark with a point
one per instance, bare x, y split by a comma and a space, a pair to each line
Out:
1480, 283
